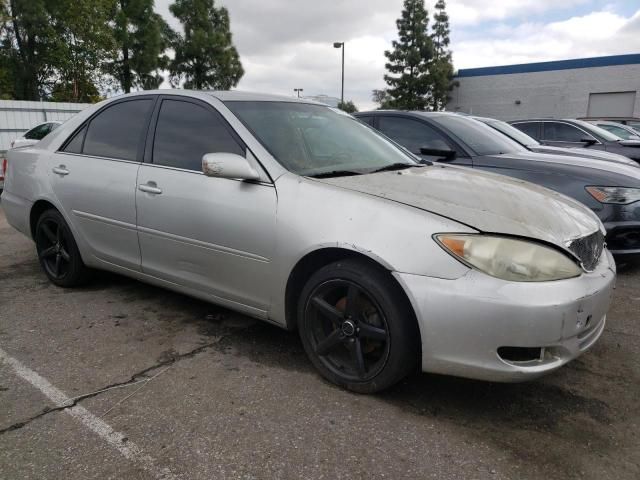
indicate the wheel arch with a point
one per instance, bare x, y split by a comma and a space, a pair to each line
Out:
37, 209
316, 259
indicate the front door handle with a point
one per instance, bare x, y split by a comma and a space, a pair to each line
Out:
150, 187
61, 170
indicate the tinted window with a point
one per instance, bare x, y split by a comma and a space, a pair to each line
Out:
75, 145
562, 132
532, 129
618, 131
116, 132
39, 132
412, 134
368, 120
186, 131
513, 133
481, 138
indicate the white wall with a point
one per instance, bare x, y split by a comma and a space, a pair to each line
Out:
556, 94
16, 116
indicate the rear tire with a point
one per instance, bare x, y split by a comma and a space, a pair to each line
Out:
357, 326
58, 252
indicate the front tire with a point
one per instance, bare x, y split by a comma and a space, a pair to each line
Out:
357, 326
58, 252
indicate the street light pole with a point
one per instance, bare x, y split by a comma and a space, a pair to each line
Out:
341, 45
298, 90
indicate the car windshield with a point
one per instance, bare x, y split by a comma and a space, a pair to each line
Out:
597, 131
512, 132
481, 138
312, 140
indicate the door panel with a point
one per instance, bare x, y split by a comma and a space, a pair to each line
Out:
98, 196
211, 234
94, 178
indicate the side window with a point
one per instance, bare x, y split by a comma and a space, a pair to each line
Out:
75, 145
531, 128
38, 133
117, 131
368, 120
186, 131
412, 134
562, 132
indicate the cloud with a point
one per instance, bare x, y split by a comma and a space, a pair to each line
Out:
591, 35
285, 45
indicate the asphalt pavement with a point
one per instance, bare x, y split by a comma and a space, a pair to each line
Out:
123, 380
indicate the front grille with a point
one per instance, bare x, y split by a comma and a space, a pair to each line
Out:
588, 249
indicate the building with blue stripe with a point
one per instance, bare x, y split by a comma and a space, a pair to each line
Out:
598, 87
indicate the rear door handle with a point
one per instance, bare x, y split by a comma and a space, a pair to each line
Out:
61, 170
150, 187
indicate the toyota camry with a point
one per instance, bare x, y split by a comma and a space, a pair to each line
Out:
297, 214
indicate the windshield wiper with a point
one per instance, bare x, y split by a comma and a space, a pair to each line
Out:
397, 166
335, 173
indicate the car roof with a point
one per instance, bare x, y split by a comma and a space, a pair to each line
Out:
223, 95
409, 113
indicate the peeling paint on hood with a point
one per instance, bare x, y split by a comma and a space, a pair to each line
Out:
487, 202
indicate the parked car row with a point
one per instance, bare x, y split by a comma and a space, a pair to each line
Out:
385, 258
578, 133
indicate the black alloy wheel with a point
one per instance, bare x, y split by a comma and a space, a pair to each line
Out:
349, 332
357, 327
57, 251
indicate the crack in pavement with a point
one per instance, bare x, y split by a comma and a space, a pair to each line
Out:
135, 378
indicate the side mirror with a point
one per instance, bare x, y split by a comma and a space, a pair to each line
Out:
443, 153
228, 165
588, 141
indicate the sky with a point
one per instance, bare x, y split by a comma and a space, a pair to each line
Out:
287, 44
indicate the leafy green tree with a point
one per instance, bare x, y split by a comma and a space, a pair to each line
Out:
348, 106
409, 79
85, 43
54, 45
442, 67
141, 37
29, 47
204, 55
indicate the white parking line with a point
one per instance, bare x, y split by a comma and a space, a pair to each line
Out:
127, 448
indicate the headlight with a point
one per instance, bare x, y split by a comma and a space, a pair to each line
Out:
620, 195
508, 258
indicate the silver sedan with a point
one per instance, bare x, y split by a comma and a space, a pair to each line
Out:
297, 214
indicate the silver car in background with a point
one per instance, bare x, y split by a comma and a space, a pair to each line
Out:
297, 214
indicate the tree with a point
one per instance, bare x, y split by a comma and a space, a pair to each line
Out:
54, 45
442, 67
29, 46
348, 106
408, 63
381, 97
204, 55
85, 43
141, 38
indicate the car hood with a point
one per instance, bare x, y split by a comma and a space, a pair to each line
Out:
487, 202
584, 153
587, 165
630, 143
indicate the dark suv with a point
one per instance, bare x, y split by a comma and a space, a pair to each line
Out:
575, 133
610, 189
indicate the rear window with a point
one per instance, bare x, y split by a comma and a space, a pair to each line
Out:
116, 132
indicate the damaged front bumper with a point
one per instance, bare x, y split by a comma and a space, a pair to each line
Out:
485, 328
